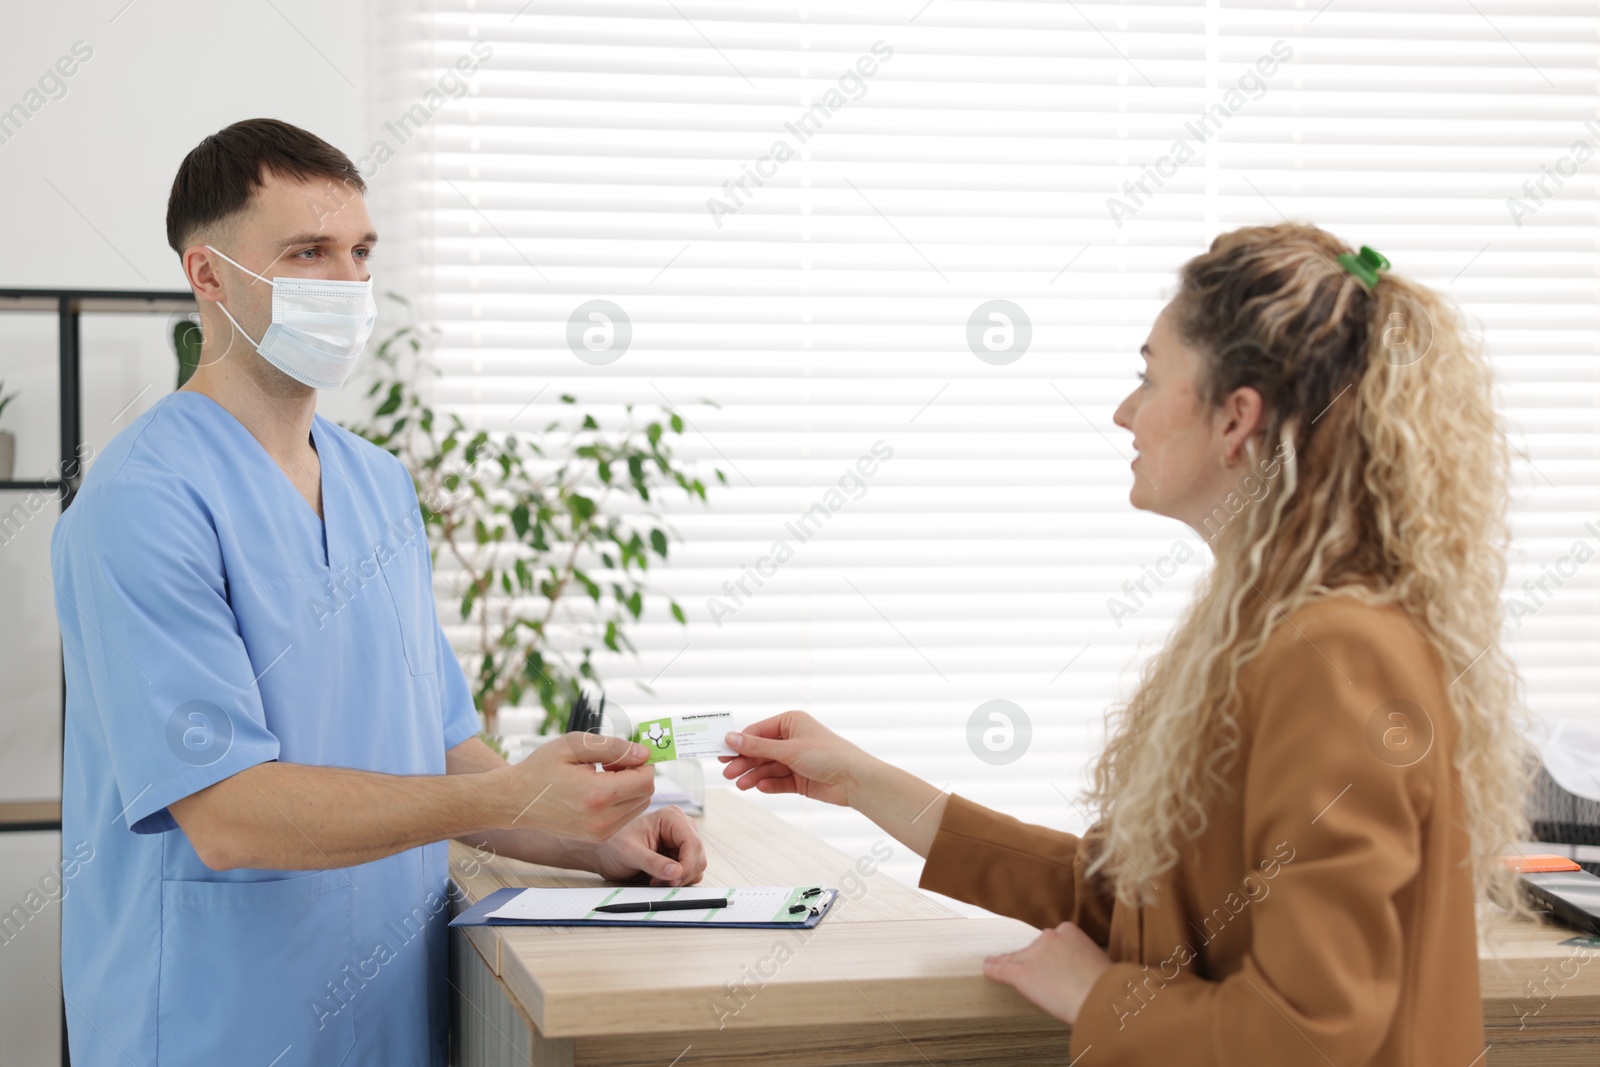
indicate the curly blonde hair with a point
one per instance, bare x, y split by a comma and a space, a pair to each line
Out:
1394, 489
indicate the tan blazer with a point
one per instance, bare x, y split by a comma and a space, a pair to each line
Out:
1324, 916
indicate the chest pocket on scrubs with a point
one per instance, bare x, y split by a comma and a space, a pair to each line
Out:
406, 575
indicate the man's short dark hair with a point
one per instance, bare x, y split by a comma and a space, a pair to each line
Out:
223, 171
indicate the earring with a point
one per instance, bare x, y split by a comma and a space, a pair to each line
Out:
1226, 464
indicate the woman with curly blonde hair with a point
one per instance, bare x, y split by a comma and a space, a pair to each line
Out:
1310, 786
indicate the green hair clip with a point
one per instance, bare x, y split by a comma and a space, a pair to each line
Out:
1364, 266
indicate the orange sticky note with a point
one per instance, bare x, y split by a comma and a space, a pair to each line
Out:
1540, 864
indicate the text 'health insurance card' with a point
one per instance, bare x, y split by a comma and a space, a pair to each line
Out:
686, 736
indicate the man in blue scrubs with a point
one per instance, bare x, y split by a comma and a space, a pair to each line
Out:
268, 738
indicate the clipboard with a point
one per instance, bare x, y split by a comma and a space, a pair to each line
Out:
749, 907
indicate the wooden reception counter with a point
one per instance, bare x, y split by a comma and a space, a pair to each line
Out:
890, 978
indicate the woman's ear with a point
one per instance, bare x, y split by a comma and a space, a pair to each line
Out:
1241, 420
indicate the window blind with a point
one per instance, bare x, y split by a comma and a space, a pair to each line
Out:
926, 240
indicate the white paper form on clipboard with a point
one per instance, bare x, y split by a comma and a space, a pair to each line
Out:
747, 906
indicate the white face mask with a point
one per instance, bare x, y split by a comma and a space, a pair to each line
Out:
319, 328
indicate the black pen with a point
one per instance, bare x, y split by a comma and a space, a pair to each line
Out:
666, 905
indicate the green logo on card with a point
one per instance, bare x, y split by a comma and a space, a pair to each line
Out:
656, 735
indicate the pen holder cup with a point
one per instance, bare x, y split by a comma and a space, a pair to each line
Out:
683, 782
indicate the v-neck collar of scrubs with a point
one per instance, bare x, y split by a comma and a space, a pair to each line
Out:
317, 527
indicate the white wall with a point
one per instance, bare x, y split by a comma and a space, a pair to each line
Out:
83, 192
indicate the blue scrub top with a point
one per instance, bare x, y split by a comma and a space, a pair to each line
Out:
210, 622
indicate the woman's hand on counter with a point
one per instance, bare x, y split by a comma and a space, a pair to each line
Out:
1056, 971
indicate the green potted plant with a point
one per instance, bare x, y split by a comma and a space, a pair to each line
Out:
186, 337
544, 538
8, 440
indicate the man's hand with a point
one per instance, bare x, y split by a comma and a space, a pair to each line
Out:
665, 845
557, 790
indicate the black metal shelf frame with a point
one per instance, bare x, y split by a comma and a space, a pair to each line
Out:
69, 306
